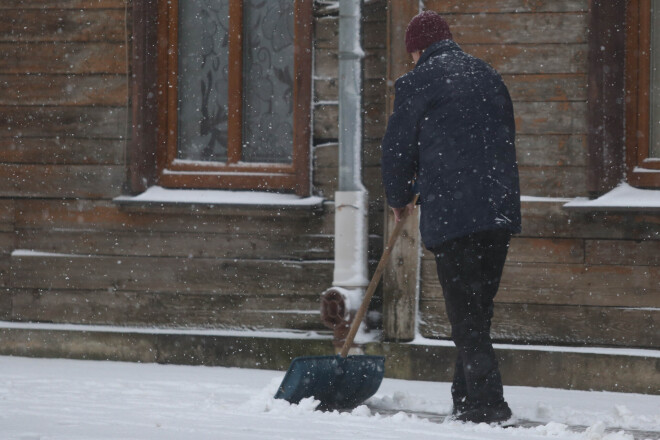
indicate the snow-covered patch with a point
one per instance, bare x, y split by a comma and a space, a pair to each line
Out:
642, 352
33, 253
75, 400
245, 333
545, 199
157, 194
622, 197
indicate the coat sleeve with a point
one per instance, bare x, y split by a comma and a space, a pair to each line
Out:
400, 150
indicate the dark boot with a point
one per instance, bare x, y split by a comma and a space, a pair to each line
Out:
487, 414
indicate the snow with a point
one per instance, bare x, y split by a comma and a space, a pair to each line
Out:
33, 253
59, 399
641, 352
623, 196
157, 194
63, 399
545, 199
280, 334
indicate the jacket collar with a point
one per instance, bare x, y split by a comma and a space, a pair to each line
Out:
438, 48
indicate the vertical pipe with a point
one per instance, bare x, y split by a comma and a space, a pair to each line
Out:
351, 198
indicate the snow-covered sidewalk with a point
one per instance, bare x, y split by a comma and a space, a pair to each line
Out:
51, 399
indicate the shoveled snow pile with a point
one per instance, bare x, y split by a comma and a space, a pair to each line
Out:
65, 399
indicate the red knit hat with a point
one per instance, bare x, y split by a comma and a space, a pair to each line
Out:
425, 29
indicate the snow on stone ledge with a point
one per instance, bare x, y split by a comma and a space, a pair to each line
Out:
157, 195
622, 198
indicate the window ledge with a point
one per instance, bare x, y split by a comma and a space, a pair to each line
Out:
212, 201
622, 198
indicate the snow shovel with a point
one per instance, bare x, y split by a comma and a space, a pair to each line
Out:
340, 382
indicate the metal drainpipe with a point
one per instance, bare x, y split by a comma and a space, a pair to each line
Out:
351, 199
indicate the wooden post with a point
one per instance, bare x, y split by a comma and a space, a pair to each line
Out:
141, 154
400, 277
606, 95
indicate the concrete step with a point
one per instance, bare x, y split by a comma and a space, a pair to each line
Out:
582, 368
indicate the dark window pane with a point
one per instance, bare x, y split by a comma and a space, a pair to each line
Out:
268, 81
203, 61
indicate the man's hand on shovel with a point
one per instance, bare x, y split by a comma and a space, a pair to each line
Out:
400, 213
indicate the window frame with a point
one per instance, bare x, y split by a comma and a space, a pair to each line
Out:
642, 171
234, 174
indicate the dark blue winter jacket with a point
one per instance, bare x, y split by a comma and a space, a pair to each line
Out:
452, 129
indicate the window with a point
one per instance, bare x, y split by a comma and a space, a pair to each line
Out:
643, 93
234, 86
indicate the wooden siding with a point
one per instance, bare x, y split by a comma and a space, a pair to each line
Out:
570, 278
65, 127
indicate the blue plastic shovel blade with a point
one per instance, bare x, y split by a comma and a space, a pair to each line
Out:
337, 382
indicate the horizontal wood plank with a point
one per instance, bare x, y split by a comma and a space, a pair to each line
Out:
104, 215
551, 117
326, 89
186, 275
499, 6
326, 32
7, 243
256, 245
326, 121
85, 122
63, 58
62, 4
4, 278
326, 62
539, 250
566, 284
547, 87
552, 181
551, 150
548, 219
167, 309
644, 253
532, 59
79, 25
62, 151
7, 213
513, 28
64, 90
574, 325
59, 181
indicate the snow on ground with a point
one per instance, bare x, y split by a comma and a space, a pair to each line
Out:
54, 399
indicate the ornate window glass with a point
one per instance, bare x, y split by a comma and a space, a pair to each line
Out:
235, 90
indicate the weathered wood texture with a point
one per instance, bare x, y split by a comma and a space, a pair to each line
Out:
400, 287
65, 127
61, 151
63, 90
55, 25
63, 58
64, 4
571, 278
579, 325
63, 110
499, 6
167, 309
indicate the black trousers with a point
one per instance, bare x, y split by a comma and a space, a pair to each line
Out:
469, 270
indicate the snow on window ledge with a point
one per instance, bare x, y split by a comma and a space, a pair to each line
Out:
622, 198
158, 197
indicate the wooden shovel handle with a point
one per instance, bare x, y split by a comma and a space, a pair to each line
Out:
359, 316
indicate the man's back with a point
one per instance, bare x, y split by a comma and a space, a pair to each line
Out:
457, 116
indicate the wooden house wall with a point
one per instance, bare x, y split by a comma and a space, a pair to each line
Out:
570, 278
64, 121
